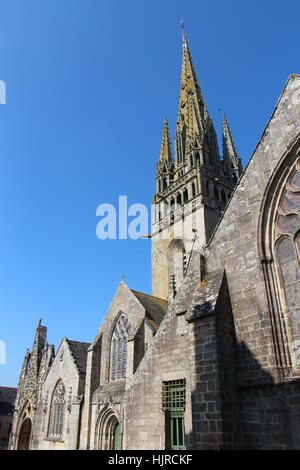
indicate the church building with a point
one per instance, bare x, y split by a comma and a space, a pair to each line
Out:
211, 359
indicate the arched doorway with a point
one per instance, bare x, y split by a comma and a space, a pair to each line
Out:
109, 432
24, 435
116, 437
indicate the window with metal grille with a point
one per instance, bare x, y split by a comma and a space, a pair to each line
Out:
173, 395
173, 404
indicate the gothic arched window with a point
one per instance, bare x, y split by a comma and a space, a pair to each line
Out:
287, 254
279, 247
119, 348
57, 410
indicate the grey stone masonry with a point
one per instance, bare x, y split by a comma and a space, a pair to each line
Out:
7, 399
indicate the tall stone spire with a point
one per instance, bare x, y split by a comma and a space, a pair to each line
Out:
230, 156
193, 120
192, 193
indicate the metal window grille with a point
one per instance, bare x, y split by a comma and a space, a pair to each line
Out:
173, 395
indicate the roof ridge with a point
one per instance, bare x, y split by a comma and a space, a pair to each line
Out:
76, 341
77, 360
149, 295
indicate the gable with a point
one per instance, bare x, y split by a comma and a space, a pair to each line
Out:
69, 363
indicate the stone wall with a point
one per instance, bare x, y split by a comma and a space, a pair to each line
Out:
263, 406
63, 368
268, 417
170, 357
167, 359
7, 398
234, 246
178, 225
234, 399
102, 393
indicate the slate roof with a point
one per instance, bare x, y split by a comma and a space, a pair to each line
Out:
79, 352
206, 296
155, 308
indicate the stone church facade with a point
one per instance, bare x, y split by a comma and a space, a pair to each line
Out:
210, 360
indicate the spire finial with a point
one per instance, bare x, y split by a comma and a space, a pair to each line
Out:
122, 279
183, 30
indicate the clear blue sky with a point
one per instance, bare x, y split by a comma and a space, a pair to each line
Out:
88, 85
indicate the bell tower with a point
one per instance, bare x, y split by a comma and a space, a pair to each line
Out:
191, 192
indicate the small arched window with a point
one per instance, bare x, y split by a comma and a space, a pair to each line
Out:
191, 161
216, 193
178, 146
193, 190
176, 260
223, 196
207, 187
172, 205
57, 410
159, 185
233, 175
185, 196
119, 348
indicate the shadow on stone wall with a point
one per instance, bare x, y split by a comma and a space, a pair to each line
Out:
228, 413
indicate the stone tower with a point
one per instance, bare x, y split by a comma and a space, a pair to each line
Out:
192, 191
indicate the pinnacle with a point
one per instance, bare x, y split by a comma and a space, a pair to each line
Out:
165, 147
230, 154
